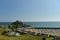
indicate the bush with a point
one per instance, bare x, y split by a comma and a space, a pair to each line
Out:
4, 32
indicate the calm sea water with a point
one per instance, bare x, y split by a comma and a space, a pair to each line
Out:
38, 24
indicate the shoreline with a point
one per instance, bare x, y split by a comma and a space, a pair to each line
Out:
45, 28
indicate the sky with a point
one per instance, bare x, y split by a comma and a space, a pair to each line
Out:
29, 10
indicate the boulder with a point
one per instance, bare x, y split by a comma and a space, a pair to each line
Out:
13, 34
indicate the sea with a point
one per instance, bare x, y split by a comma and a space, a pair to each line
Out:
38, 24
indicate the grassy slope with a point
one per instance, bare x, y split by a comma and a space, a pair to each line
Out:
22, 37
49, 38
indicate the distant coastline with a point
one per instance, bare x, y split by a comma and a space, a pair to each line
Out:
45, 28
39, 25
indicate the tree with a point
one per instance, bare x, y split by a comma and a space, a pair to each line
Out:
19, 24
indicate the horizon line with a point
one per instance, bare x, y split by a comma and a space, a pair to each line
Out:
30, 21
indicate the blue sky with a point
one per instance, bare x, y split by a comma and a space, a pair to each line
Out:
29, 10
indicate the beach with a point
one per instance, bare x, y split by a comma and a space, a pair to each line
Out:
53, 32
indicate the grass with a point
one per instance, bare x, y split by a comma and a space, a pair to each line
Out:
22, 37
48, 38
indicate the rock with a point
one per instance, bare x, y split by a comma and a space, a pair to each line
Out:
13, 34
